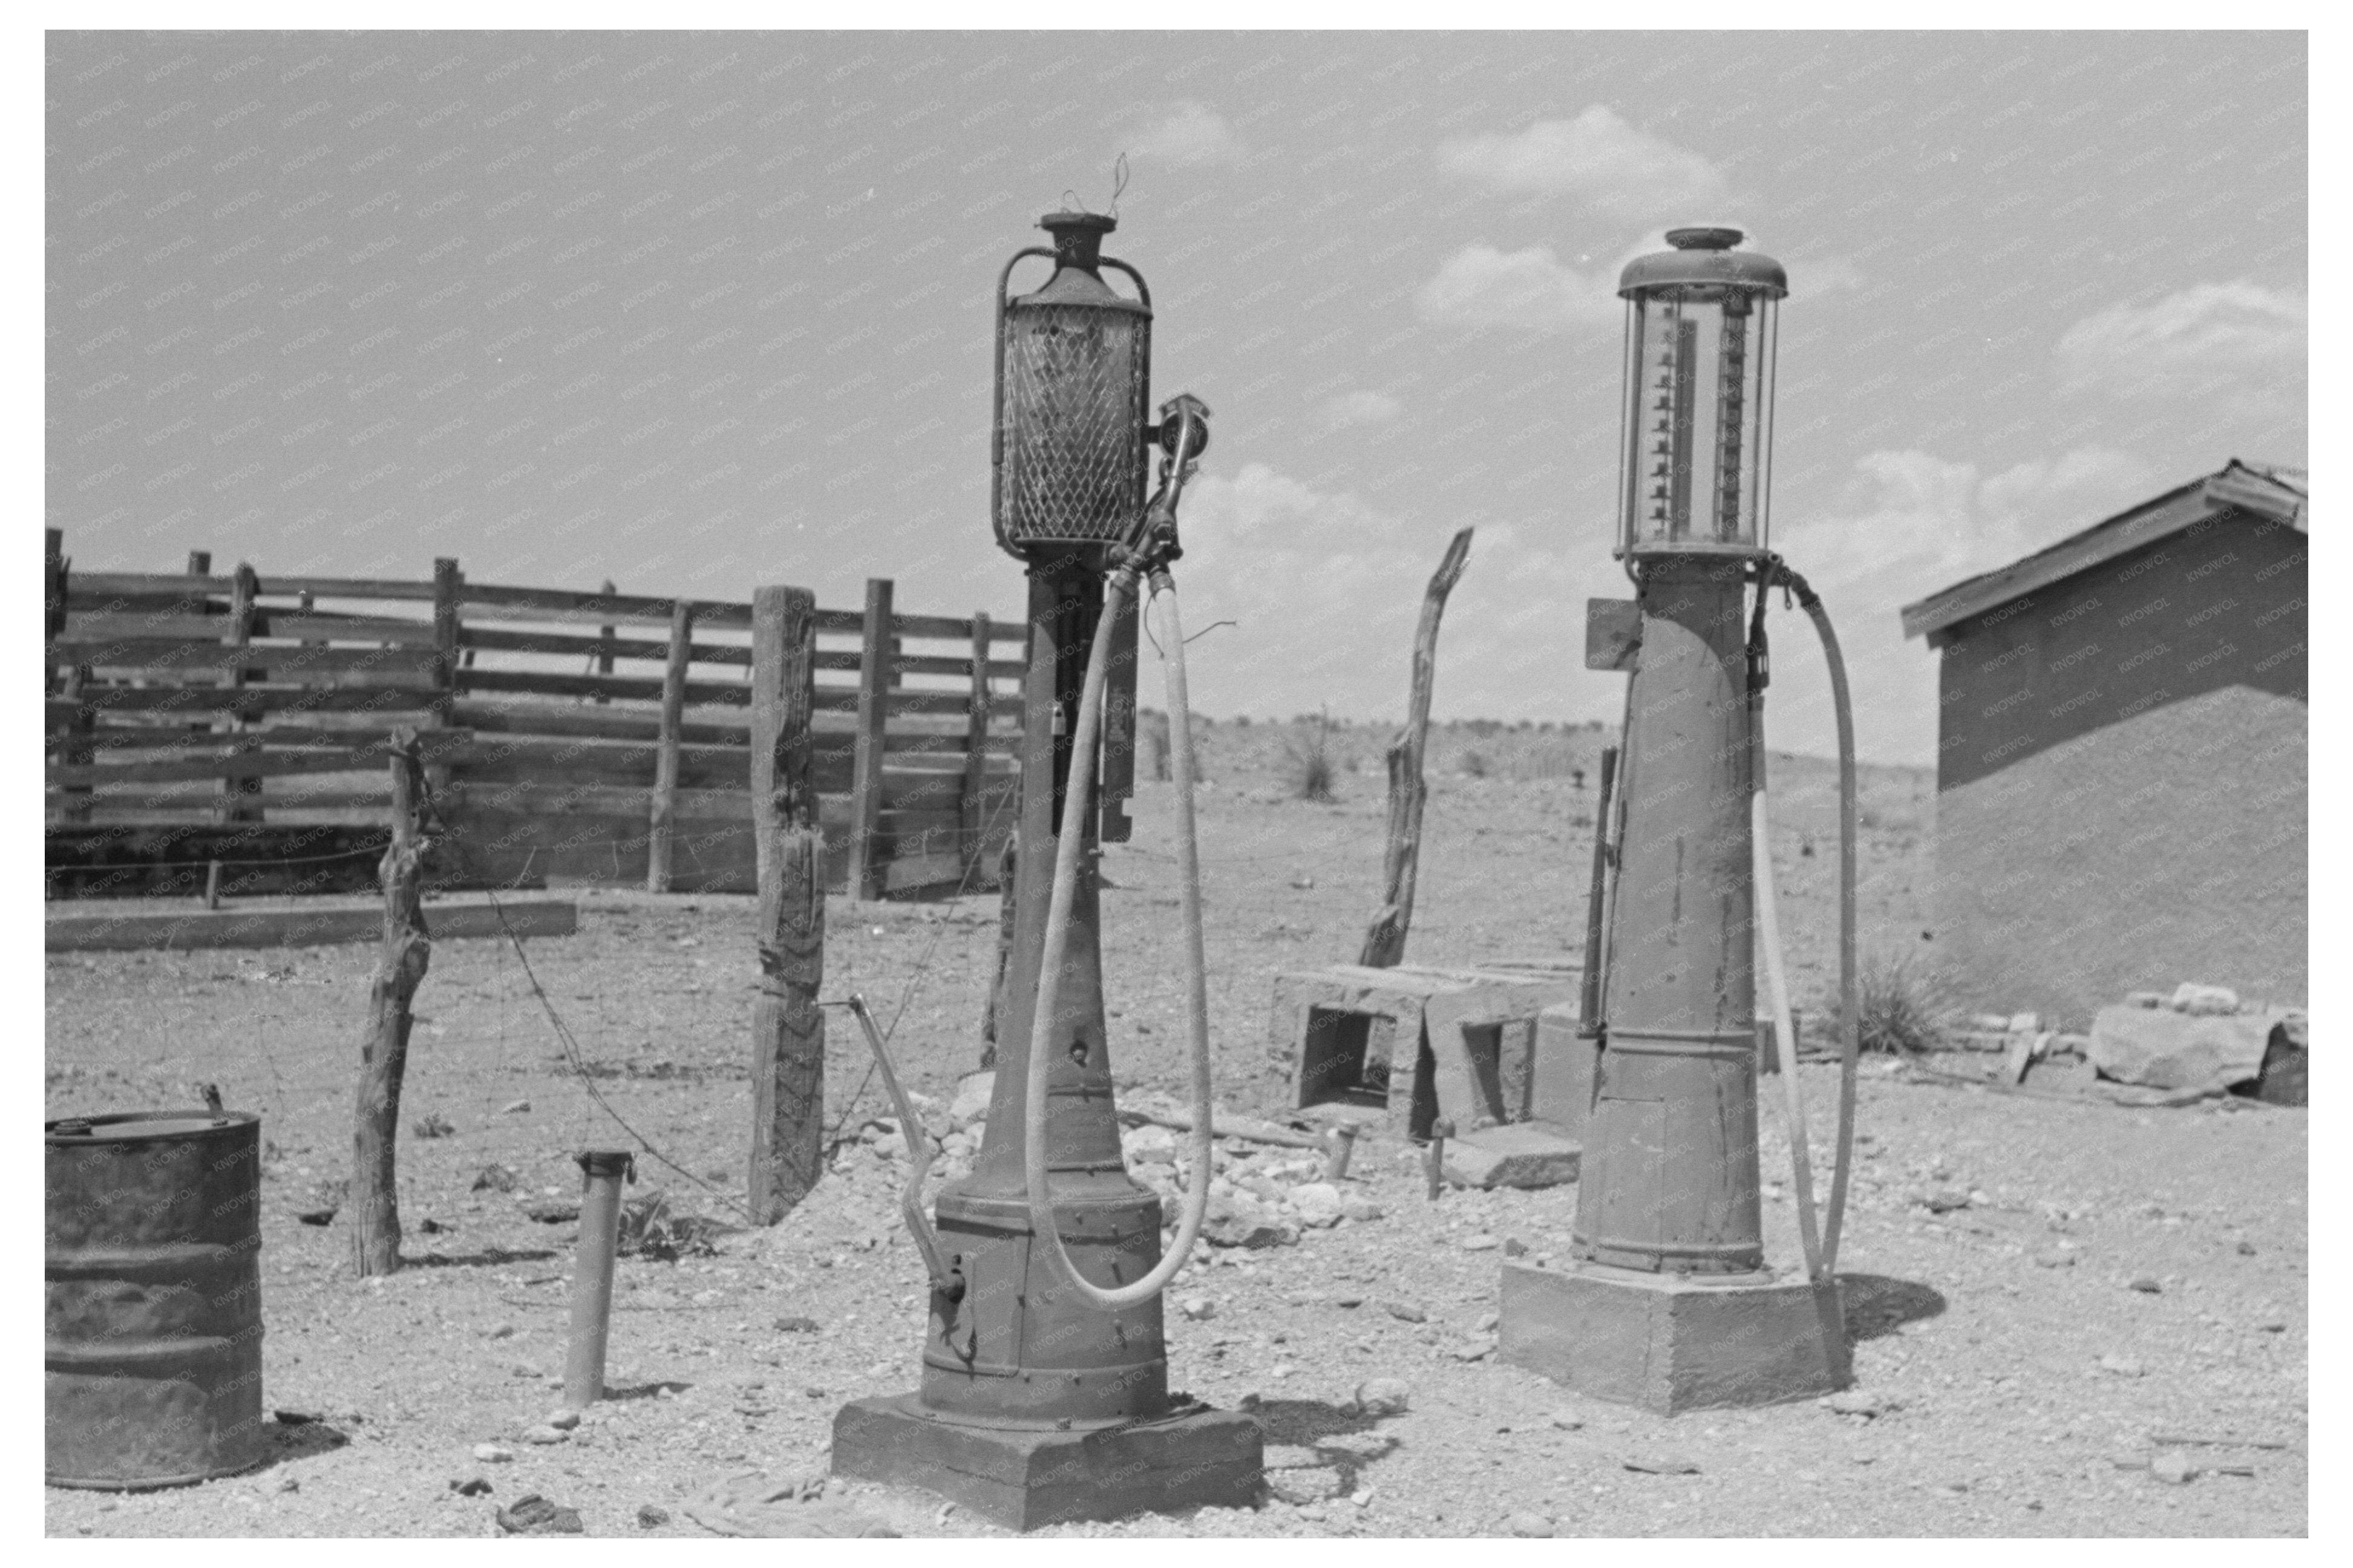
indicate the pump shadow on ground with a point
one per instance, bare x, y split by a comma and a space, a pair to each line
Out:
489, 1257
1877, 1305
1299, 1422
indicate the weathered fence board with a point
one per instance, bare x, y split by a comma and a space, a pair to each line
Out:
569, 735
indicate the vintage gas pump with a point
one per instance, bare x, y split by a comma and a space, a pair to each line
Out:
1045, 1377
1667, 1302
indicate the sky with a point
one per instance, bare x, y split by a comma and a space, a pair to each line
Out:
694, 312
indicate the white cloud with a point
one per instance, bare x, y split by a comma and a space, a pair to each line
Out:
1533, 290
2237, 341
1598, 158
1326, 588
1366, 407
1191, 133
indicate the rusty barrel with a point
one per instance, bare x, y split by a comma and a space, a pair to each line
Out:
153, 1352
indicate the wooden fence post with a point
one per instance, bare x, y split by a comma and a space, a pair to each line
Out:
659, 823
238, 807
1385, 940
449, 589
57, 574
976, 746
195, 601
374, 1199
788, 1028
866, 863
448, 584
53, 592
605, 634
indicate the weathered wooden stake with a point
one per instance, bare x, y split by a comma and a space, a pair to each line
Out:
660, 820
1385, 940
373, 1201
867, 862
788, 1028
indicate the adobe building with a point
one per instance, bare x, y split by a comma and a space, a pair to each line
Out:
2120, 763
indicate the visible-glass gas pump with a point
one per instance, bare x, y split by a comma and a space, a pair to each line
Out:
1668, 1300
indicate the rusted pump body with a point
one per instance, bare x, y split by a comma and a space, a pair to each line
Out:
1037, 1406
1668, 1302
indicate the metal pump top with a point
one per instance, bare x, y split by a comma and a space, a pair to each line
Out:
1705, 258
1079, 262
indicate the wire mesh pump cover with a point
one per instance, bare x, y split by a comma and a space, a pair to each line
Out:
1073, 368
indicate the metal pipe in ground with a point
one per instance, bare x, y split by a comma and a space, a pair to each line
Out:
602, 1171
1336, 1150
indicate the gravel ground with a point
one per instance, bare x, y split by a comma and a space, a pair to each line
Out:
2117, 1281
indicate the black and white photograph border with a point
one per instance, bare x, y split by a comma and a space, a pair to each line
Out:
937, 781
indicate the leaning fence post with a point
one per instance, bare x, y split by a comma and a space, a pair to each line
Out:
384, 1055
866, 867
660, 818
788, 1028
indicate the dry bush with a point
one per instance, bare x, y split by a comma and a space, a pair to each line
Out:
1307, 764
1907, 1005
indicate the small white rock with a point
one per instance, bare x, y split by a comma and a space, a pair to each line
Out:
491, 1454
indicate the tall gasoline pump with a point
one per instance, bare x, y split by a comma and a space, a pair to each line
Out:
1667, 1301
1045, 1382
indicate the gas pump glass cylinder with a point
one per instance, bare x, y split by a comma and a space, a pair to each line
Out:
1696, 470
1072, 359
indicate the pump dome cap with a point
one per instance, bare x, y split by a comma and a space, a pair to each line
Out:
1079, 222
1705, 255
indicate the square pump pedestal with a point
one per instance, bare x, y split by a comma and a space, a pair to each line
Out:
1672, 1344
1027, 1477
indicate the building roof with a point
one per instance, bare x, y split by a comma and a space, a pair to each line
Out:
2267, 491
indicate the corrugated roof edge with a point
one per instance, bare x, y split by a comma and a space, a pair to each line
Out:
2270, 491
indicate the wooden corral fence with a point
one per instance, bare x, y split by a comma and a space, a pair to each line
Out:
568, 737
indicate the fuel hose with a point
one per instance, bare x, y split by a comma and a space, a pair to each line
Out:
1057, 942
1821, 1259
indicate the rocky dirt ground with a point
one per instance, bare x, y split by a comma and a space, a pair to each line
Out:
2073, 1318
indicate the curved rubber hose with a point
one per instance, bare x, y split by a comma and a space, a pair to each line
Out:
1785, 1033
1850, 1016
1042, 1224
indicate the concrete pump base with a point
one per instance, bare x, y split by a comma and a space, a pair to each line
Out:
1670, 1344
1025, 1479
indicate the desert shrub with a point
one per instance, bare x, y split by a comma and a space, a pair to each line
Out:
651, 1228
1475, 763
1906, 1005
1307, 766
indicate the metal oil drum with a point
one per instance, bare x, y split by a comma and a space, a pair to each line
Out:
153, 1354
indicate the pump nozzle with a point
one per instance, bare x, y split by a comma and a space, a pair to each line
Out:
1183, 433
